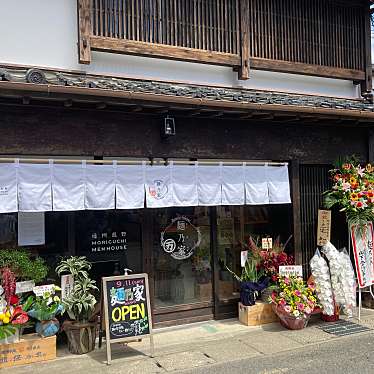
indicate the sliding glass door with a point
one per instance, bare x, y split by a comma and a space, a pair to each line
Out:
181, 265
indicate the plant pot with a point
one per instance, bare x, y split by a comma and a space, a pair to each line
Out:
290, 322
247, 295
265, 294
47, 328
81, 337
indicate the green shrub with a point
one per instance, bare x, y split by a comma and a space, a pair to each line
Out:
22, 265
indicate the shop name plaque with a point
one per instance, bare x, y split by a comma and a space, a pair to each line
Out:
127, 310
108, 241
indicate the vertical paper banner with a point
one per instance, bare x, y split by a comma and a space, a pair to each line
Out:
67, 283
31, 228
324, 227
243, 258
362, 242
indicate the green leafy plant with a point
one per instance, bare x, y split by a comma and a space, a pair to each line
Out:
80, 303
250, 273
78, 267
44, 308
7, 330
19, 261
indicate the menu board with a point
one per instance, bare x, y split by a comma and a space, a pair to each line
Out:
126, 308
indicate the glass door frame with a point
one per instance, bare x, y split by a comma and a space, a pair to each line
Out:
178, 314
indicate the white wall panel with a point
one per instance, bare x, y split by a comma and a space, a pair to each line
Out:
44, 33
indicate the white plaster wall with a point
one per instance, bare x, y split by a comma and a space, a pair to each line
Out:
44, 33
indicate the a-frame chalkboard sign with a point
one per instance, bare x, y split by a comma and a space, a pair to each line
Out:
127, 310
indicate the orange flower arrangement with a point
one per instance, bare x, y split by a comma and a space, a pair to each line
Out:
352, 191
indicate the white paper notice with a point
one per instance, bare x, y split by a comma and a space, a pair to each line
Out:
243, 258
31, 228
267, 243
67, 283
291, 270
41, 290
25, 286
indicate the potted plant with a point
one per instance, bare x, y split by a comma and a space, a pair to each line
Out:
269, 261
79, 305
293, 302
12, 315
44, 309
251, 281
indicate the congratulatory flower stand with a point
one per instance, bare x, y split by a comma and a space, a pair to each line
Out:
16, 265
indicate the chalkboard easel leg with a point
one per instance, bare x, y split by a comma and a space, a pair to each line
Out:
152, 346
108, 353
101, 316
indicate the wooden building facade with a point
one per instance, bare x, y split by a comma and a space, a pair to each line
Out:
320, 109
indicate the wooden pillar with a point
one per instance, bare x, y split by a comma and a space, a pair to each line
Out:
147, 247
296, 208
84, 31
367, 86
371, 146
214, 261
244, 40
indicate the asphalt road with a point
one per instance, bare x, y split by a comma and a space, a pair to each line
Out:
350, 354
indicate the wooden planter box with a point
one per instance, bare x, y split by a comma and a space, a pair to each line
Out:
258, 314
31, 348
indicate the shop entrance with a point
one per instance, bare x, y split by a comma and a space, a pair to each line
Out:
180, 265
185, 251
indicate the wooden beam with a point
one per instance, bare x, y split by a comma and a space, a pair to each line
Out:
68, 103
367, 85
142, 98
137, 108
85, 30
244, 40
306, 69
216, 115
132, 47
101, 105
194, 112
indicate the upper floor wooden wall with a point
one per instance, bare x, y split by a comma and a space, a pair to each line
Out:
313, 37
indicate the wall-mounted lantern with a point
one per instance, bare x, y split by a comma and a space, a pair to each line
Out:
168, 128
